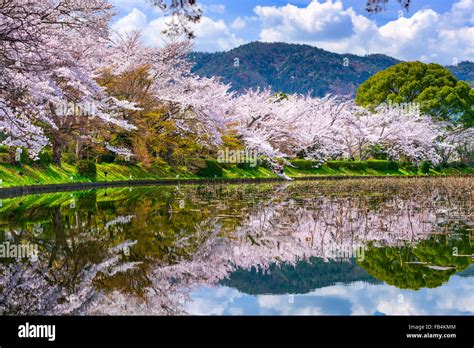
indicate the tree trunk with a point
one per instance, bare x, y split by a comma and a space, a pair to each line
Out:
78, 149
58, 147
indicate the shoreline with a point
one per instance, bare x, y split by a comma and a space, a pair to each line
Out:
17, 191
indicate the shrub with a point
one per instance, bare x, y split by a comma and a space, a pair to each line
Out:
353, 165
409, 166
68, 157
107, 157
438, 168
212, 169
246, 165
393, 166
382, 165
425, 167
45, 158
5, 157
87, 169
305, 164
457, 165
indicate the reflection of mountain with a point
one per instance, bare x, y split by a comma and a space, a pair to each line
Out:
300, 278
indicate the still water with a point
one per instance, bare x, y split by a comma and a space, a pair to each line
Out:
350, 247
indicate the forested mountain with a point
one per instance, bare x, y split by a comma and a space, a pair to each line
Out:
464, 71
294, 68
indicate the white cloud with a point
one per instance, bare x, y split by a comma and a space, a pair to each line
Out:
214, 301
317, 21
135, 20
426, 35
211, 35
455, 297
238, 24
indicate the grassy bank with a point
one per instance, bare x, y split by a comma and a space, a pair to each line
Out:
326, 171
25, 175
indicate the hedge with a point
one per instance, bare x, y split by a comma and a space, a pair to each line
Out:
354, 165
107, 157
87, 168
45, 158
246, 165
457, 165
305, 164
211, 170
409, 166
382, 165
425, 167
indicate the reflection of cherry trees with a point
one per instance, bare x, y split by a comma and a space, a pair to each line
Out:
146, 257
282, 230
32, 289
287, 230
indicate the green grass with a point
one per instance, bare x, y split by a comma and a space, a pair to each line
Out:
33, 175
15, 175
326, 171
259, 172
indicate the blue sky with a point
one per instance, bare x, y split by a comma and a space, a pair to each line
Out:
440, 31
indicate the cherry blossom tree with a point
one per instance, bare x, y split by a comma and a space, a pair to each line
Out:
53, 54
458, 145
196, 104
330, 127
50, 53
263, 121
400, 134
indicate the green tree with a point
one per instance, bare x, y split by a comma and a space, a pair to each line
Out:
438, 92
427, 264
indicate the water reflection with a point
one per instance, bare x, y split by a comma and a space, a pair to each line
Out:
192, 249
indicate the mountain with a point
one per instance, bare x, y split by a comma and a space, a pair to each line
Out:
293, 68
464, 71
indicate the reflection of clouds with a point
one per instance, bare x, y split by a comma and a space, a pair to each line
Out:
460, 303
221, 301
358, 298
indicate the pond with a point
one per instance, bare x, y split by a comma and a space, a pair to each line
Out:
345, 247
